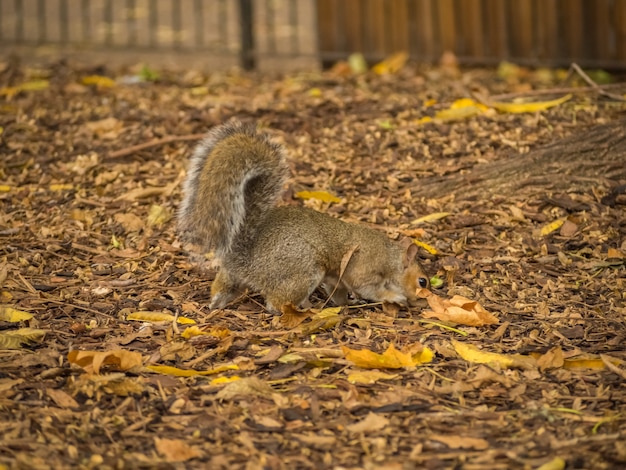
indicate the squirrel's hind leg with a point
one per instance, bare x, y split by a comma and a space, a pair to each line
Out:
294, 290
224, 289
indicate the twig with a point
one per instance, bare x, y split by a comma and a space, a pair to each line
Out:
575, 67
154, 143
558, 91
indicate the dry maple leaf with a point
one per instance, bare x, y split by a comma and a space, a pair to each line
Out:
390, 359
92, 361
458, 309
292, 317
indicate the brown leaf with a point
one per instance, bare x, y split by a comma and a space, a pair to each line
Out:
92, 361
61, 399
175, 450
458, 309
292, 317
553, 359
460, 442
372, 422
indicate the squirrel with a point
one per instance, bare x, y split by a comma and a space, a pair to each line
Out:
234, 181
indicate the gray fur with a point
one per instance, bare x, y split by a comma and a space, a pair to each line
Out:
241, 192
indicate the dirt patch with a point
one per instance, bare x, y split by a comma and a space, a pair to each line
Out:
87, 238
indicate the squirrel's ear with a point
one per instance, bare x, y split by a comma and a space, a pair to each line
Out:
410, 252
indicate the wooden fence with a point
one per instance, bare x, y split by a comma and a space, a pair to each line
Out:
296, 32
549, 32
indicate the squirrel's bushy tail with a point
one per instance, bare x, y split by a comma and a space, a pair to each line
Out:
235, 175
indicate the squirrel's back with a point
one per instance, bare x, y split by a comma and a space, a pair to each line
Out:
236, 174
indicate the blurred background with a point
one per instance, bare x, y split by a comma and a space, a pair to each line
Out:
301, 34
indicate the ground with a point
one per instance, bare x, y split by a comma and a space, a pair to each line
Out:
87, 238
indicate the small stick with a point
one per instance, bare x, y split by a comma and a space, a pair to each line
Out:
154, 143
557, 91
575, 67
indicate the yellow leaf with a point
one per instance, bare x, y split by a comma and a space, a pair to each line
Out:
391, 64
192, 331
468, 103
458, 113
315, 92
552, 227
224, 380
92, 361
427, 247
60, 187
159, 316
15, 339
429, 103
557, 463
5, 188
158, 215
431, 217
424, 120
99, 81
472, 354
515, 108
390, 359
199, 91
12, 315
176, 372
324, 320
357, 63
320, 195
369, 377
34, 85
586, 363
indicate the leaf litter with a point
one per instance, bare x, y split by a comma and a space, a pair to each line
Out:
523, 367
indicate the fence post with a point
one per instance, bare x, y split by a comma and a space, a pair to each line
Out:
247, 34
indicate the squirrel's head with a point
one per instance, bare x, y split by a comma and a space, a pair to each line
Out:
413, 276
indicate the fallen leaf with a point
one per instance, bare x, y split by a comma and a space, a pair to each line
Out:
372, 422
12, 315
319, 195
249, 386
98, 80
534, 107
557, 463
92, 361
15, 339
431, 217
61, 398
458, 309
368, 377
551, 227
324, 320
175, 450
292, 316
460, 442
391, 64
553, 359
390, 359
216, 332
357, 63
427, 247
472, 354
225, 380
176, 372
158, 215
159, 316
